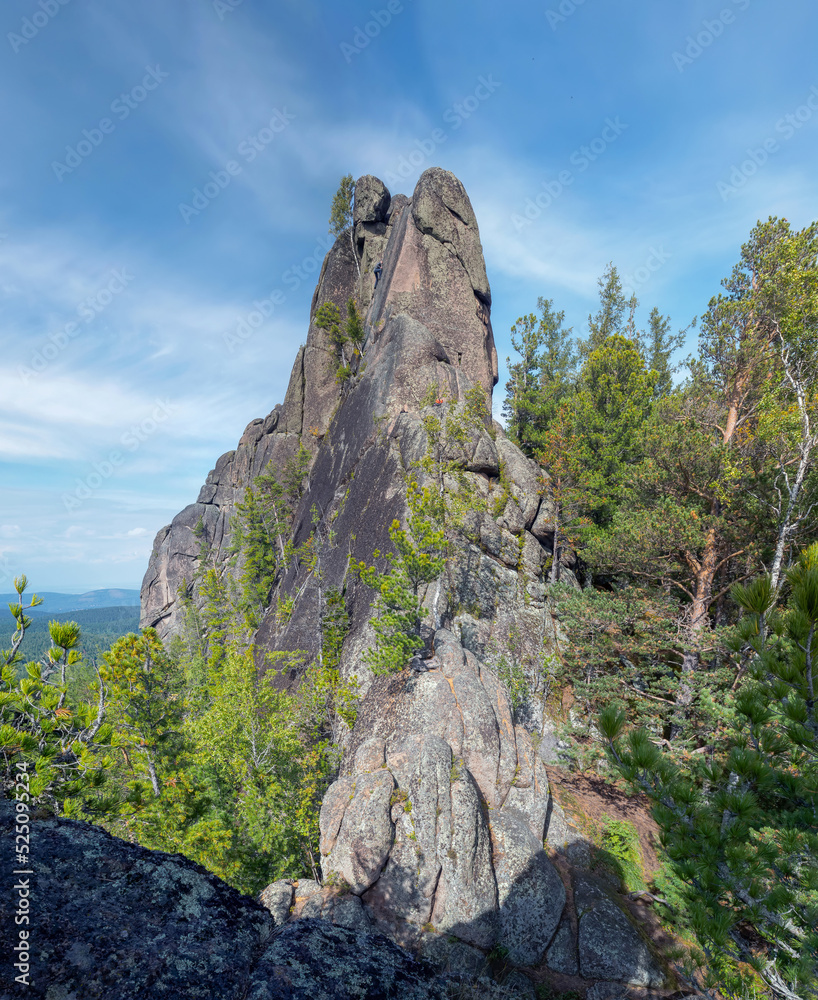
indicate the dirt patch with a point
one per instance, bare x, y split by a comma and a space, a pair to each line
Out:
587, 800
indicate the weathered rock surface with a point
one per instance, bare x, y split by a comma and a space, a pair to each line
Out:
610, 946
441, 822
464, 848
116, 921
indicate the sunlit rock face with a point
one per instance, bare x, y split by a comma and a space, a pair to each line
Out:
440, 829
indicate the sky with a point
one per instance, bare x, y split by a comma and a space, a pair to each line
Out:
167, 168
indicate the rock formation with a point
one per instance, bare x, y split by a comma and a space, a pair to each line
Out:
439, 827
428, 329
114, 921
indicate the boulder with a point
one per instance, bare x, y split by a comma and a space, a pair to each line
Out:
530, 893
609, 945
371, 200
115, 920
278, 898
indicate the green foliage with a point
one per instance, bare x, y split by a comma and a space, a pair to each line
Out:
99, 628
145, 703
542, 378
619, 850
512, 675
346, 340
340, 217
739, 825
261, 532
418, 559
63, 743
594, 440
657, 346
614, 318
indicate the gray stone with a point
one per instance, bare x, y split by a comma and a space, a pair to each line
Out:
313, 959
349, 912
117, 920
530, 893
452, 956
365, 836
333, 806
278, 898
370, 755
562, 952
371, 200
441, 208
609, 945
520, 984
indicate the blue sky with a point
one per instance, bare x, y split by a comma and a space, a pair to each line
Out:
651, 134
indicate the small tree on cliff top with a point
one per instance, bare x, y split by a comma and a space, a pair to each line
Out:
340, 216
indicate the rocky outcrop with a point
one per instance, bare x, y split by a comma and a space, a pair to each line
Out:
428, 331
115, 921
440, 828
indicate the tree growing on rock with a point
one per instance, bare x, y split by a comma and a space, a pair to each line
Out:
340, 216
345, 339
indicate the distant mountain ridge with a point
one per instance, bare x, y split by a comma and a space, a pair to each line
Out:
55, 603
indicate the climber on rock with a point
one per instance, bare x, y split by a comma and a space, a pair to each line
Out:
377, 270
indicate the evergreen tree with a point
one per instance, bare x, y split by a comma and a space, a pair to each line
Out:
146, 705
657, 345
340, 216
63, 744
739, 826
614, 316
599, 428
521, 405
344, 338
541, 379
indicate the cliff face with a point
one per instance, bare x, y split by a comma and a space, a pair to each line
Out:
428, 330
441, 825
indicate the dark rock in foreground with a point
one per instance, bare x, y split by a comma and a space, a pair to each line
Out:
117, 921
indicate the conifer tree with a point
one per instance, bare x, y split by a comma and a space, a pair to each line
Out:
739, 826
542, 378
340, 217
614, 316
658, 345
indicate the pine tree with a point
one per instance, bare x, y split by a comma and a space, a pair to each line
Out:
340, 217
739, 826
614, 316
657, 345
542, 378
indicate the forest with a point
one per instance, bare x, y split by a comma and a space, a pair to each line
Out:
688, 492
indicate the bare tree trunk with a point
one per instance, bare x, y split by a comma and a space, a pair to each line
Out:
806, 447
157, 791
704, 573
